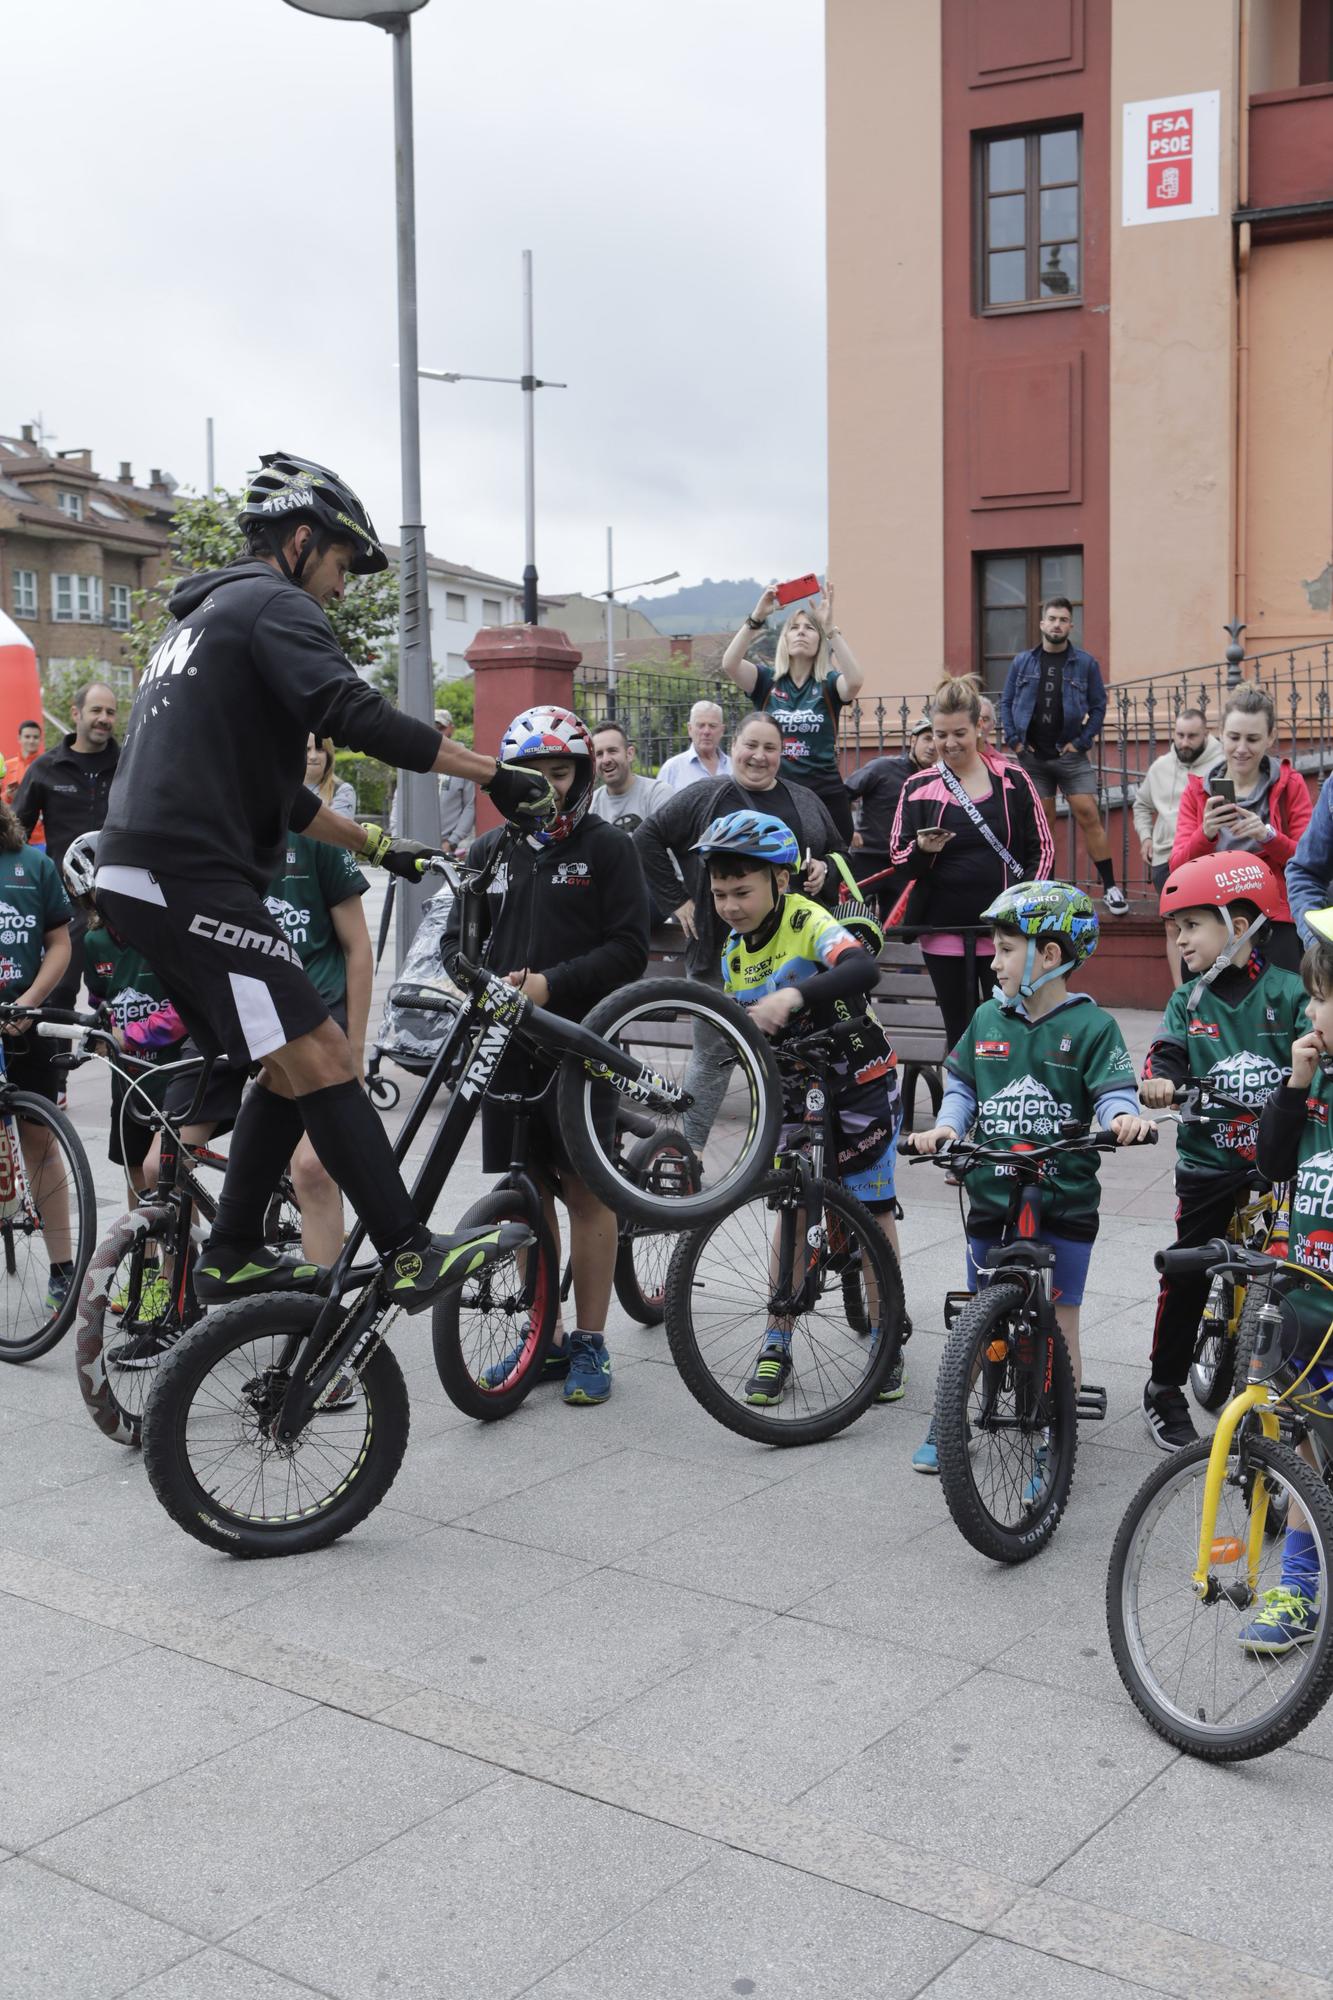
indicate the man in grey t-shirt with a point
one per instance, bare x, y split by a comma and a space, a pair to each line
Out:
624, 796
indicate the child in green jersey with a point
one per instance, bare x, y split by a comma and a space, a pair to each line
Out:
1035, 1056
1230, 1024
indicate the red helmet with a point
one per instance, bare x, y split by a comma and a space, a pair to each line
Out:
1215, 880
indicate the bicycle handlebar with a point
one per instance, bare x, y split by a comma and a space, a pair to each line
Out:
1202, 1096
965, 1153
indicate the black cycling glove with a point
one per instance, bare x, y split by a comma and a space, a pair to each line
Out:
521, 794
396, 857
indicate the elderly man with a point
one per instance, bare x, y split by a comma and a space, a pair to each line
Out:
705, 757
458, 801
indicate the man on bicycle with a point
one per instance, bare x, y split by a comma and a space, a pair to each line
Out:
208, 784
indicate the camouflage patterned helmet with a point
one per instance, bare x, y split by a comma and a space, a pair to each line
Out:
1047, 910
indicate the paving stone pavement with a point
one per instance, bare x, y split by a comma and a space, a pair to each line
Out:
609, 1703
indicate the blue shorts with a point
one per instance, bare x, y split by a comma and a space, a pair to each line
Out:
1067, 1279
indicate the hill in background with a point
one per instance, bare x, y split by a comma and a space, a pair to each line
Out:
702, 607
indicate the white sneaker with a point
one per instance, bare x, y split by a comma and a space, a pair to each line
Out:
1116, 901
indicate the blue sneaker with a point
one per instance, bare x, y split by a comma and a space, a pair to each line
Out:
925, 1458
1287, 1620
57, 1290
1036, 1486
554, 1368
589, 1376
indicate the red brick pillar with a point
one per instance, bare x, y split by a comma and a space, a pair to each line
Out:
515, 667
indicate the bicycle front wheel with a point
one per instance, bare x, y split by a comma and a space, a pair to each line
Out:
644, 1250
1213, 1672
492, 1337
1006, 1425
698, 1041
1211, 1371
48, 1216
724, 1300
208, 1442
132, 1311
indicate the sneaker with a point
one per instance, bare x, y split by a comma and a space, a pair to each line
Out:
1036, 1485
896, 1387
1287, 1620
415, 1277
57, 1290
925, 1458
224, 1273
143, 1349
154, 1297
588, 1379
1167, 1415
554, 1368
772, 1373
1116, 901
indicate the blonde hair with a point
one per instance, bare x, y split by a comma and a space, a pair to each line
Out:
328, 783
822, 666
958, 695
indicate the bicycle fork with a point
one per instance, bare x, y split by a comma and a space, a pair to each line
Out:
314, 1360
1225, 1549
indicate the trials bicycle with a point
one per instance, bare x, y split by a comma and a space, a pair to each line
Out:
248, 1443
1197, 1556
1006, 1409
833, 1289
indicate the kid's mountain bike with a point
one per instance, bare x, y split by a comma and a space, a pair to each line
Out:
48, 1210
1197, 1562
1006, 1410
250, 1440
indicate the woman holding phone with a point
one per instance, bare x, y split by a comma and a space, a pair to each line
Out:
1249, 801
813, 677
967, 828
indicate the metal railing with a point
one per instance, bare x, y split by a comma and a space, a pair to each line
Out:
654, 706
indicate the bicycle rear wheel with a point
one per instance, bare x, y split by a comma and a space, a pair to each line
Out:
130, 1317
644, 1252
718, 1311
491, 1339
207, 1436
1189, 1661
698, 1040
48, 1214
1006, 1425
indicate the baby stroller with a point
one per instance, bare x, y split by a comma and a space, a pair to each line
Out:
408, 1037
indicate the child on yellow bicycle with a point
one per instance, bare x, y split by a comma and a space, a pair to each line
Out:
1035, 1056
1228, 1025
1294, 1144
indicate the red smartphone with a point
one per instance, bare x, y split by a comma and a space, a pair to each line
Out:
800, 586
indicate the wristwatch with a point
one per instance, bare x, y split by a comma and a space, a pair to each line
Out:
756, 624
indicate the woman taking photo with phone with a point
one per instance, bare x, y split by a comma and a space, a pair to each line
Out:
967, 828
811, 681
1249, 801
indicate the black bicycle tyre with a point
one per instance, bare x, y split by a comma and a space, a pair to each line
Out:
748, 1421
642, 1299
1290, 1717
282, 1217
1275, 1521
98, 1325
179, 1380
972, 1330
460, 1385
83, 1222
1211, 1378
596, 1165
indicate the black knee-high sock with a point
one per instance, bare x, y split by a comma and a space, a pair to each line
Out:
268, 1131
1106, 869
354, 1149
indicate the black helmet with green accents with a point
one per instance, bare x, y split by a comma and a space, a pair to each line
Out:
290, 490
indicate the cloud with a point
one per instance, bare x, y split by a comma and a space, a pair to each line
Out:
207, 229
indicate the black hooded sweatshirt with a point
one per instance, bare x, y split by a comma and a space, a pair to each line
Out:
212, 770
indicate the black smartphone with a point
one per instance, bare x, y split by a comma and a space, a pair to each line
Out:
1224, 789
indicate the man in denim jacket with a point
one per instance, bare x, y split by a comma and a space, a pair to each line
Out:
1051, 713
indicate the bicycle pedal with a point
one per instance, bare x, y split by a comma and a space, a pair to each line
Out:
1090, 1404
954, 1303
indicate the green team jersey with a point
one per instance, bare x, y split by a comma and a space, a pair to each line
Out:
1242, 1048
313, 880
1029, 1078
32, 902
122, 977
1311, 1242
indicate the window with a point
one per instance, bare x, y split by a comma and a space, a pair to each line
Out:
25, 593
1029, 220
1010, 592
71, 504
120, 607
76, 599
492, 611
455, 604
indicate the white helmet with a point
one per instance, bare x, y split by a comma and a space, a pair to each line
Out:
79, 866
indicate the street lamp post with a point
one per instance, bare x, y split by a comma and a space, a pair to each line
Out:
610, 595
418, 817
529, 383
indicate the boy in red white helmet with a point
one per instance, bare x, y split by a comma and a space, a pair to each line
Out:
568, 923
1229, 1024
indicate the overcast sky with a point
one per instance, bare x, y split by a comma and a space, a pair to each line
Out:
197, 219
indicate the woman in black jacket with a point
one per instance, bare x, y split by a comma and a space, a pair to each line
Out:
966, 828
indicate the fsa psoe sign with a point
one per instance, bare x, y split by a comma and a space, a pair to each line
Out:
1169, 168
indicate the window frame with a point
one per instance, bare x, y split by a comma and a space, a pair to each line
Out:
69, 503
1032, 558
452, 598
113, 591
489, 604
85, 598
26, 593
1032, 136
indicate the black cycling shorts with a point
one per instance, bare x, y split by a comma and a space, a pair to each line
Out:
30, 1064
236, 982
546, 1155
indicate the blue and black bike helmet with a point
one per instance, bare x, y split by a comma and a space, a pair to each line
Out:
758, 835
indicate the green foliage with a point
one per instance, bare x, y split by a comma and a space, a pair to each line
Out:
204, 536
459, 698
373, 782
